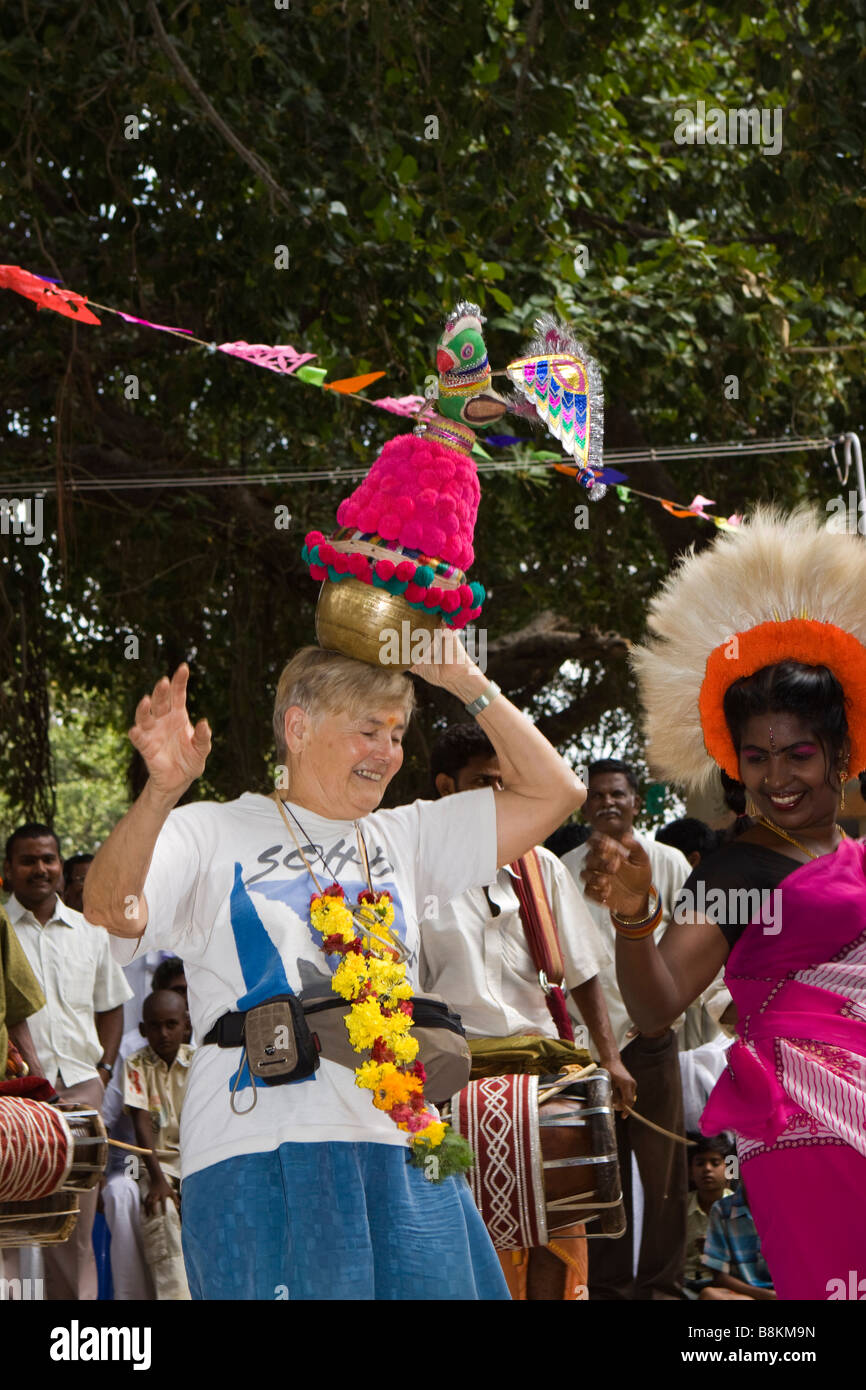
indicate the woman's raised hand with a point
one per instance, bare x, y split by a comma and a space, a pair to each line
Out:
447, 659
175, 753
617, 874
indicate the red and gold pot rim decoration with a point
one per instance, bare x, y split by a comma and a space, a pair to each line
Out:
806, 640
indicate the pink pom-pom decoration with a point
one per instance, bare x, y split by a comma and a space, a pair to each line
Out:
318, 572
385, 569
389, 526
405, 570
411, 534
406, 467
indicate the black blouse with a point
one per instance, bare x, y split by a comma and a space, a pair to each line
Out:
741, 872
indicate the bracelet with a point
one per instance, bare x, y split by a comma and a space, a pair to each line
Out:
636, 928
641, 921
636, 933
483, 700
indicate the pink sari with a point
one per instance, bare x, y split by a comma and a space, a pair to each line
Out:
794, 1089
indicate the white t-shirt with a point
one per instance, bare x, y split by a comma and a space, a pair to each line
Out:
478, 959
228, 892
73, 965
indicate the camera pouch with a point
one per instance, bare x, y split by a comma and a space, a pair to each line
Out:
279, 1044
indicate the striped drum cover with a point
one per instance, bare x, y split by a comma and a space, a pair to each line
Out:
498, 1116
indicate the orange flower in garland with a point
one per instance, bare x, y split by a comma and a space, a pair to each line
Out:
372, 978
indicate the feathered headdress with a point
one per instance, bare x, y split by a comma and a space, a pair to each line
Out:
779, 588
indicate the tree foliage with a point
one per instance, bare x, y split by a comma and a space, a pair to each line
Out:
519, 154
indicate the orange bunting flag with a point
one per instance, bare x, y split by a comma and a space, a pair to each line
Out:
45, 294
350, 384
674, 509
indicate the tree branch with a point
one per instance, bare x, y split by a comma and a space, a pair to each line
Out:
250, 158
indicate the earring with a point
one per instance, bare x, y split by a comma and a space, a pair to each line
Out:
843, 777
751, 808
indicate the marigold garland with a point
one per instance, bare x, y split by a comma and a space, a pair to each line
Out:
372, 978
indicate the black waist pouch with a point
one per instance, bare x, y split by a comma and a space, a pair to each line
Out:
279, 1044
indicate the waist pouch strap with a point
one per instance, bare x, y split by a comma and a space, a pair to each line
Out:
442, 1046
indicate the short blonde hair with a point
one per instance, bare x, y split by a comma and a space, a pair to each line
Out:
323, 683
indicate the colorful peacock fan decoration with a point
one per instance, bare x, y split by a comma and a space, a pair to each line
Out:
404, 543
561, 384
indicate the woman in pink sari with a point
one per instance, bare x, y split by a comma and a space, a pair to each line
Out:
780, 706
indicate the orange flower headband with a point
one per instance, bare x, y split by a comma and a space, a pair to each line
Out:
796, 639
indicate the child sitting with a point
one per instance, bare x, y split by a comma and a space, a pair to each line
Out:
154, 1084
732, 1252
707, 1173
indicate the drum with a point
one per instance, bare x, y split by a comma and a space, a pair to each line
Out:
545, 1156
89, 1146
47, 1221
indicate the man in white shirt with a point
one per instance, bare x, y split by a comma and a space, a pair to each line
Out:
612, 803
77, 1033
474, 952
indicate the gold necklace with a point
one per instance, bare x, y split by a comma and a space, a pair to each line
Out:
763, 820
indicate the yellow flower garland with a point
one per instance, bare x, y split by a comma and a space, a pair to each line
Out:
372, 978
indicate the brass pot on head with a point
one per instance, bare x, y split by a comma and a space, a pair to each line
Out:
358, 620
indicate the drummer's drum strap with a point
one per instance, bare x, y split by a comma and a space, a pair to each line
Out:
542, 938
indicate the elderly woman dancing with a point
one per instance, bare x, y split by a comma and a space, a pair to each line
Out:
308, 1190
758, 659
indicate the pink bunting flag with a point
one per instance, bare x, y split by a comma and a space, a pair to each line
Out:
400, 405
163, 327
276, 359
697, 505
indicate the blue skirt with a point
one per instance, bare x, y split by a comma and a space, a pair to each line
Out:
334, 1221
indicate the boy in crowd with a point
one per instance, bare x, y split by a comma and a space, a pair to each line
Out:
155, 1080
74, 874
732, 1252
707, 1172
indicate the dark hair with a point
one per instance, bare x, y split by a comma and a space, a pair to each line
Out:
567, 837
812, 692
72, 863
165, 971
614, 765
33, 830
147, 1002
689, 835
721, 1144
457, 746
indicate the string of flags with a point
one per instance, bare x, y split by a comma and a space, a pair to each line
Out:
284, 359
